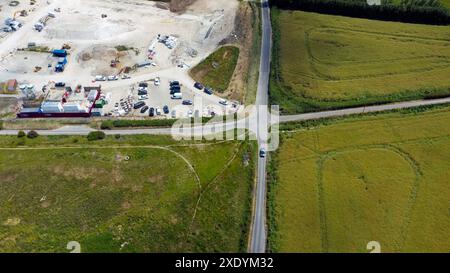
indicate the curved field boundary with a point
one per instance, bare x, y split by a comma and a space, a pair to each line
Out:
415, 167
322, 76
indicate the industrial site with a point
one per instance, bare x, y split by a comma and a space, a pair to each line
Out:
101, 58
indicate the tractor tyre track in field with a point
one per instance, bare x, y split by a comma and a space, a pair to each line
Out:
414, 165
227, 165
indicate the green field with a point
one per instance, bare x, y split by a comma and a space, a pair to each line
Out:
323, 61
446, 3
378, 178
216, 70
166, 197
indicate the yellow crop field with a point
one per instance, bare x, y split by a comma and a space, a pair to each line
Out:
325, 61
381, 178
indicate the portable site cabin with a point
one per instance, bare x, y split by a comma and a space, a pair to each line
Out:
11, 86
52, 107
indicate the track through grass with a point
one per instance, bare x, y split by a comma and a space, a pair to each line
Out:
113, 196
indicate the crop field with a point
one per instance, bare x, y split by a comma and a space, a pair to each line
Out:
124, 194
323, 61
216, 70
446, 3
375, 178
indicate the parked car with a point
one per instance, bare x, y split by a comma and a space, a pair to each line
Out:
174, 114
139, 104
125, 77
176, 96
60, 84
190, 114
157, 81
175, 91
151, 113
175, 87
223, 102
198, 85
157, 111
144, 109
208, 91
166, 109
174, 83
143, 84
100, 78
187, 102
113, 78
143, 97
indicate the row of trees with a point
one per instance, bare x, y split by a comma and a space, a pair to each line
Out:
423, 14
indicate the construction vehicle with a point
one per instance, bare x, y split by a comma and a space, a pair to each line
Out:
115, 62
66, 46
43, 22
22, 13
61, 64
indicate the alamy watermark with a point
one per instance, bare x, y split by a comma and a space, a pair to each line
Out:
245, 123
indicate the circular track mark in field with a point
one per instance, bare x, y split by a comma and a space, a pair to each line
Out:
365, 194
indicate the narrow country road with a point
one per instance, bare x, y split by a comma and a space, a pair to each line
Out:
364, 109
84, 130
258, 231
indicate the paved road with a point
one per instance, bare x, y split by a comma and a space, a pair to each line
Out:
258, 231
361, 110
215, 128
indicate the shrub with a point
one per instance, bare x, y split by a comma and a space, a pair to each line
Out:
32, 134
21, 133
96, 135
106, 125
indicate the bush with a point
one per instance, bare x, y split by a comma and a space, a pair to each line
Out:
107, 125
96, 135
21, 134
32, 134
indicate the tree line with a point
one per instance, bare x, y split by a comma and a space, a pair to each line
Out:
410, 11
